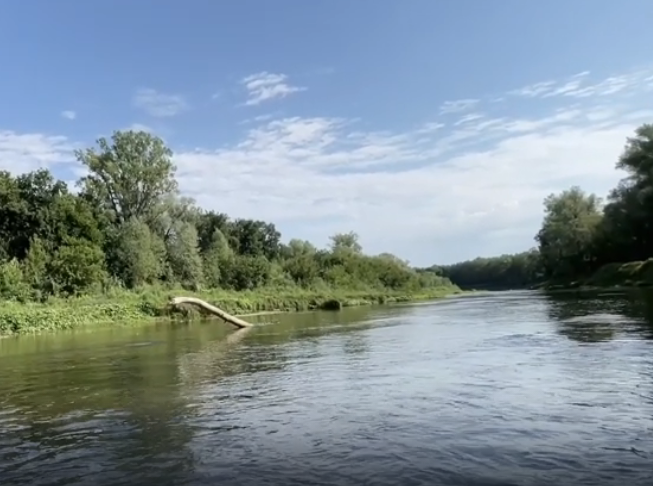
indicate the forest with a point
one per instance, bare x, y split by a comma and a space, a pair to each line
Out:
125, 225
583, 240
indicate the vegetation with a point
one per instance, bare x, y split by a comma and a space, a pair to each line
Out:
583, 241
117, 248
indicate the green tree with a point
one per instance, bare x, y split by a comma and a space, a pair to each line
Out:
217, 260
207, 223
184, 256
36, 264
249, 272
254, 238
568, 232
302, 269
518, 270
138, 255
130, 176
628, 226
346, 241
12, 282
78, 266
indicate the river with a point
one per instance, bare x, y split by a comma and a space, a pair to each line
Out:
510, 388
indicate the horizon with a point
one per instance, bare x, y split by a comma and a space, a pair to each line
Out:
326, 120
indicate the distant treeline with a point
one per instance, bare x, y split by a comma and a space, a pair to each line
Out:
580, 233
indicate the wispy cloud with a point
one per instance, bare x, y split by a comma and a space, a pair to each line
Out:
580, 86
469, 118
69, 114
266, 86
257, 119
159, 104
457, 106
534, 90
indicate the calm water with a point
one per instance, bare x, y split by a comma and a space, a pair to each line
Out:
505, 389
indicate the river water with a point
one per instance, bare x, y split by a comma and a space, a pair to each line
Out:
512, 388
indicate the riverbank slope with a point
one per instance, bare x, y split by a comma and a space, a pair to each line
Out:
150, 304
635, 274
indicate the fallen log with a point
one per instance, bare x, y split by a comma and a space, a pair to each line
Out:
212, 310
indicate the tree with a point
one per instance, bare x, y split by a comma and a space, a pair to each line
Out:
628, 224
302, 269
175, 210
207, 223
130, 176
138, 254
254, 238
568, 232
35, 205
77, 266
217, 260
12, 282
518, 270
183, 255
36, 264
297, 248
346, 241
637, 157
249, 272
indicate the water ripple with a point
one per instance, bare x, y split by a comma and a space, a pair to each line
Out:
504, 389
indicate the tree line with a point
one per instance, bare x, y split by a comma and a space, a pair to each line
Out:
580, 233
127, 225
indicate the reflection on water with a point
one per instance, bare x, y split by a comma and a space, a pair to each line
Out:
517, 388
603, 316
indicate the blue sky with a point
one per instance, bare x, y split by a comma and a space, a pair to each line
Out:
432, 128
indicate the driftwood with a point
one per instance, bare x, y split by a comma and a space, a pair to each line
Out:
211, 309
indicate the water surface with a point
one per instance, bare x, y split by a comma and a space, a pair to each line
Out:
515, 388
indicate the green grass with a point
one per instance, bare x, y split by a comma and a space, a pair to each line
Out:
119, 307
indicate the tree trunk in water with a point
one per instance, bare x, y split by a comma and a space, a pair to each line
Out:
211, 309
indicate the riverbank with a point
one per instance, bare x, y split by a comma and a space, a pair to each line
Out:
637, 274
147, 305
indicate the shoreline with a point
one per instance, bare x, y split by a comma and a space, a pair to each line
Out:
612, 276
594, 288
134, 308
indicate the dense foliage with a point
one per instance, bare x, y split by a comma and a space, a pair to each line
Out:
495, 273
581, 235
128, 226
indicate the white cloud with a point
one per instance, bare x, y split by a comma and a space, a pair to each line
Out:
69, 114
458, 106
534, 90
581, 86
266, 86
440, 191
25, 152
469, 118
159, 104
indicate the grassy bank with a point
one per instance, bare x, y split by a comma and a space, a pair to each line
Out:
146, 305
613, 275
